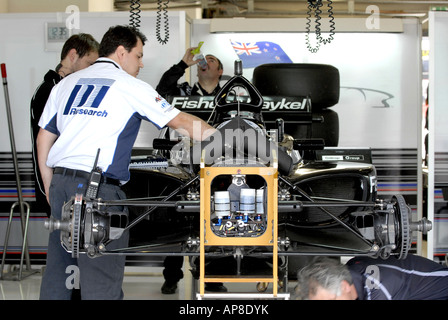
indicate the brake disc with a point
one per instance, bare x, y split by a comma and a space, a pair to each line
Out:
403, 231
393, 227
76, 225
70, 225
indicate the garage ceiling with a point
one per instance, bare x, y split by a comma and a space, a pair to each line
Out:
295, 8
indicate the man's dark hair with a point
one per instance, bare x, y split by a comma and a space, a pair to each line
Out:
220, 66
83, 43
125, 36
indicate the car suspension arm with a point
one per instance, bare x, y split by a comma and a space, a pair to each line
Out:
342, 223
145, 214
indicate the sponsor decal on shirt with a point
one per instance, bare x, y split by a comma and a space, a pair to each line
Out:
163, 103
86, 97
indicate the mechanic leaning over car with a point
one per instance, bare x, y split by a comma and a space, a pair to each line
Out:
366, 278
98, 109
207, 85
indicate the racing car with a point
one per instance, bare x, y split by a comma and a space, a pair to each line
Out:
329, 208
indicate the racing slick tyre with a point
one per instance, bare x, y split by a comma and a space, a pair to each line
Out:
319, 82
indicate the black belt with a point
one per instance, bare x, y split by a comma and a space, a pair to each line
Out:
84, 175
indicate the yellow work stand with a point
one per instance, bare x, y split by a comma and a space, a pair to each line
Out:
208, 238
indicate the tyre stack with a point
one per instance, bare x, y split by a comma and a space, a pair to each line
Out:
319, 82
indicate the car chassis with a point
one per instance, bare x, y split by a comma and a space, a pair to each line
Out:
303, 206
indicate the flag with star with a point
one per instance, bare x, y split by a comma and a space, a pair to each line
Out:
253, 54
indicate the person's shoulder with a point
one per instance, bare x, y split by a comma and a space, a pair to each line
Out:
43, 90
127, 84
52, 76
361, 261
134, 82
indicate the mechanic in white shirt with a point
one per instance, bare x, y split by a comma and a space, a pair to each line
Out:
99, 108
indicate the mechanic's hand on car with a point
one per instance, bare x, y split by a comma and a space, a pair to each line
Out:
188, 57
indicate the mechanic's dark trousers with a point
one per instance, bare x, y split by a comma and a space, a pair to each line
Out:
173, 268
99, 278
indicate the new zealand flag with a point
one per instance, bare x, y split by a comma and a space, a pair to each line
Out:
253, 54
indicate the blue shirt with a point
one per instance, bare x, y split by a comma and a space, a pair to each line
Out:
413, 278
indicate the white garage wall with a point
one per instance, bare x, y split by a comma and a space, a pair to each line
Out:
24, 52
372, 67
438, 131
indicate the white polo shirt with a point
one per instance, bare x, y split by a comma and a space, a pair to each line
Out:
100, 107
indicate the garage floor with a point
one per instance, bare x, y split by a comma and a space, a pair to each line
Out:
140, 283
